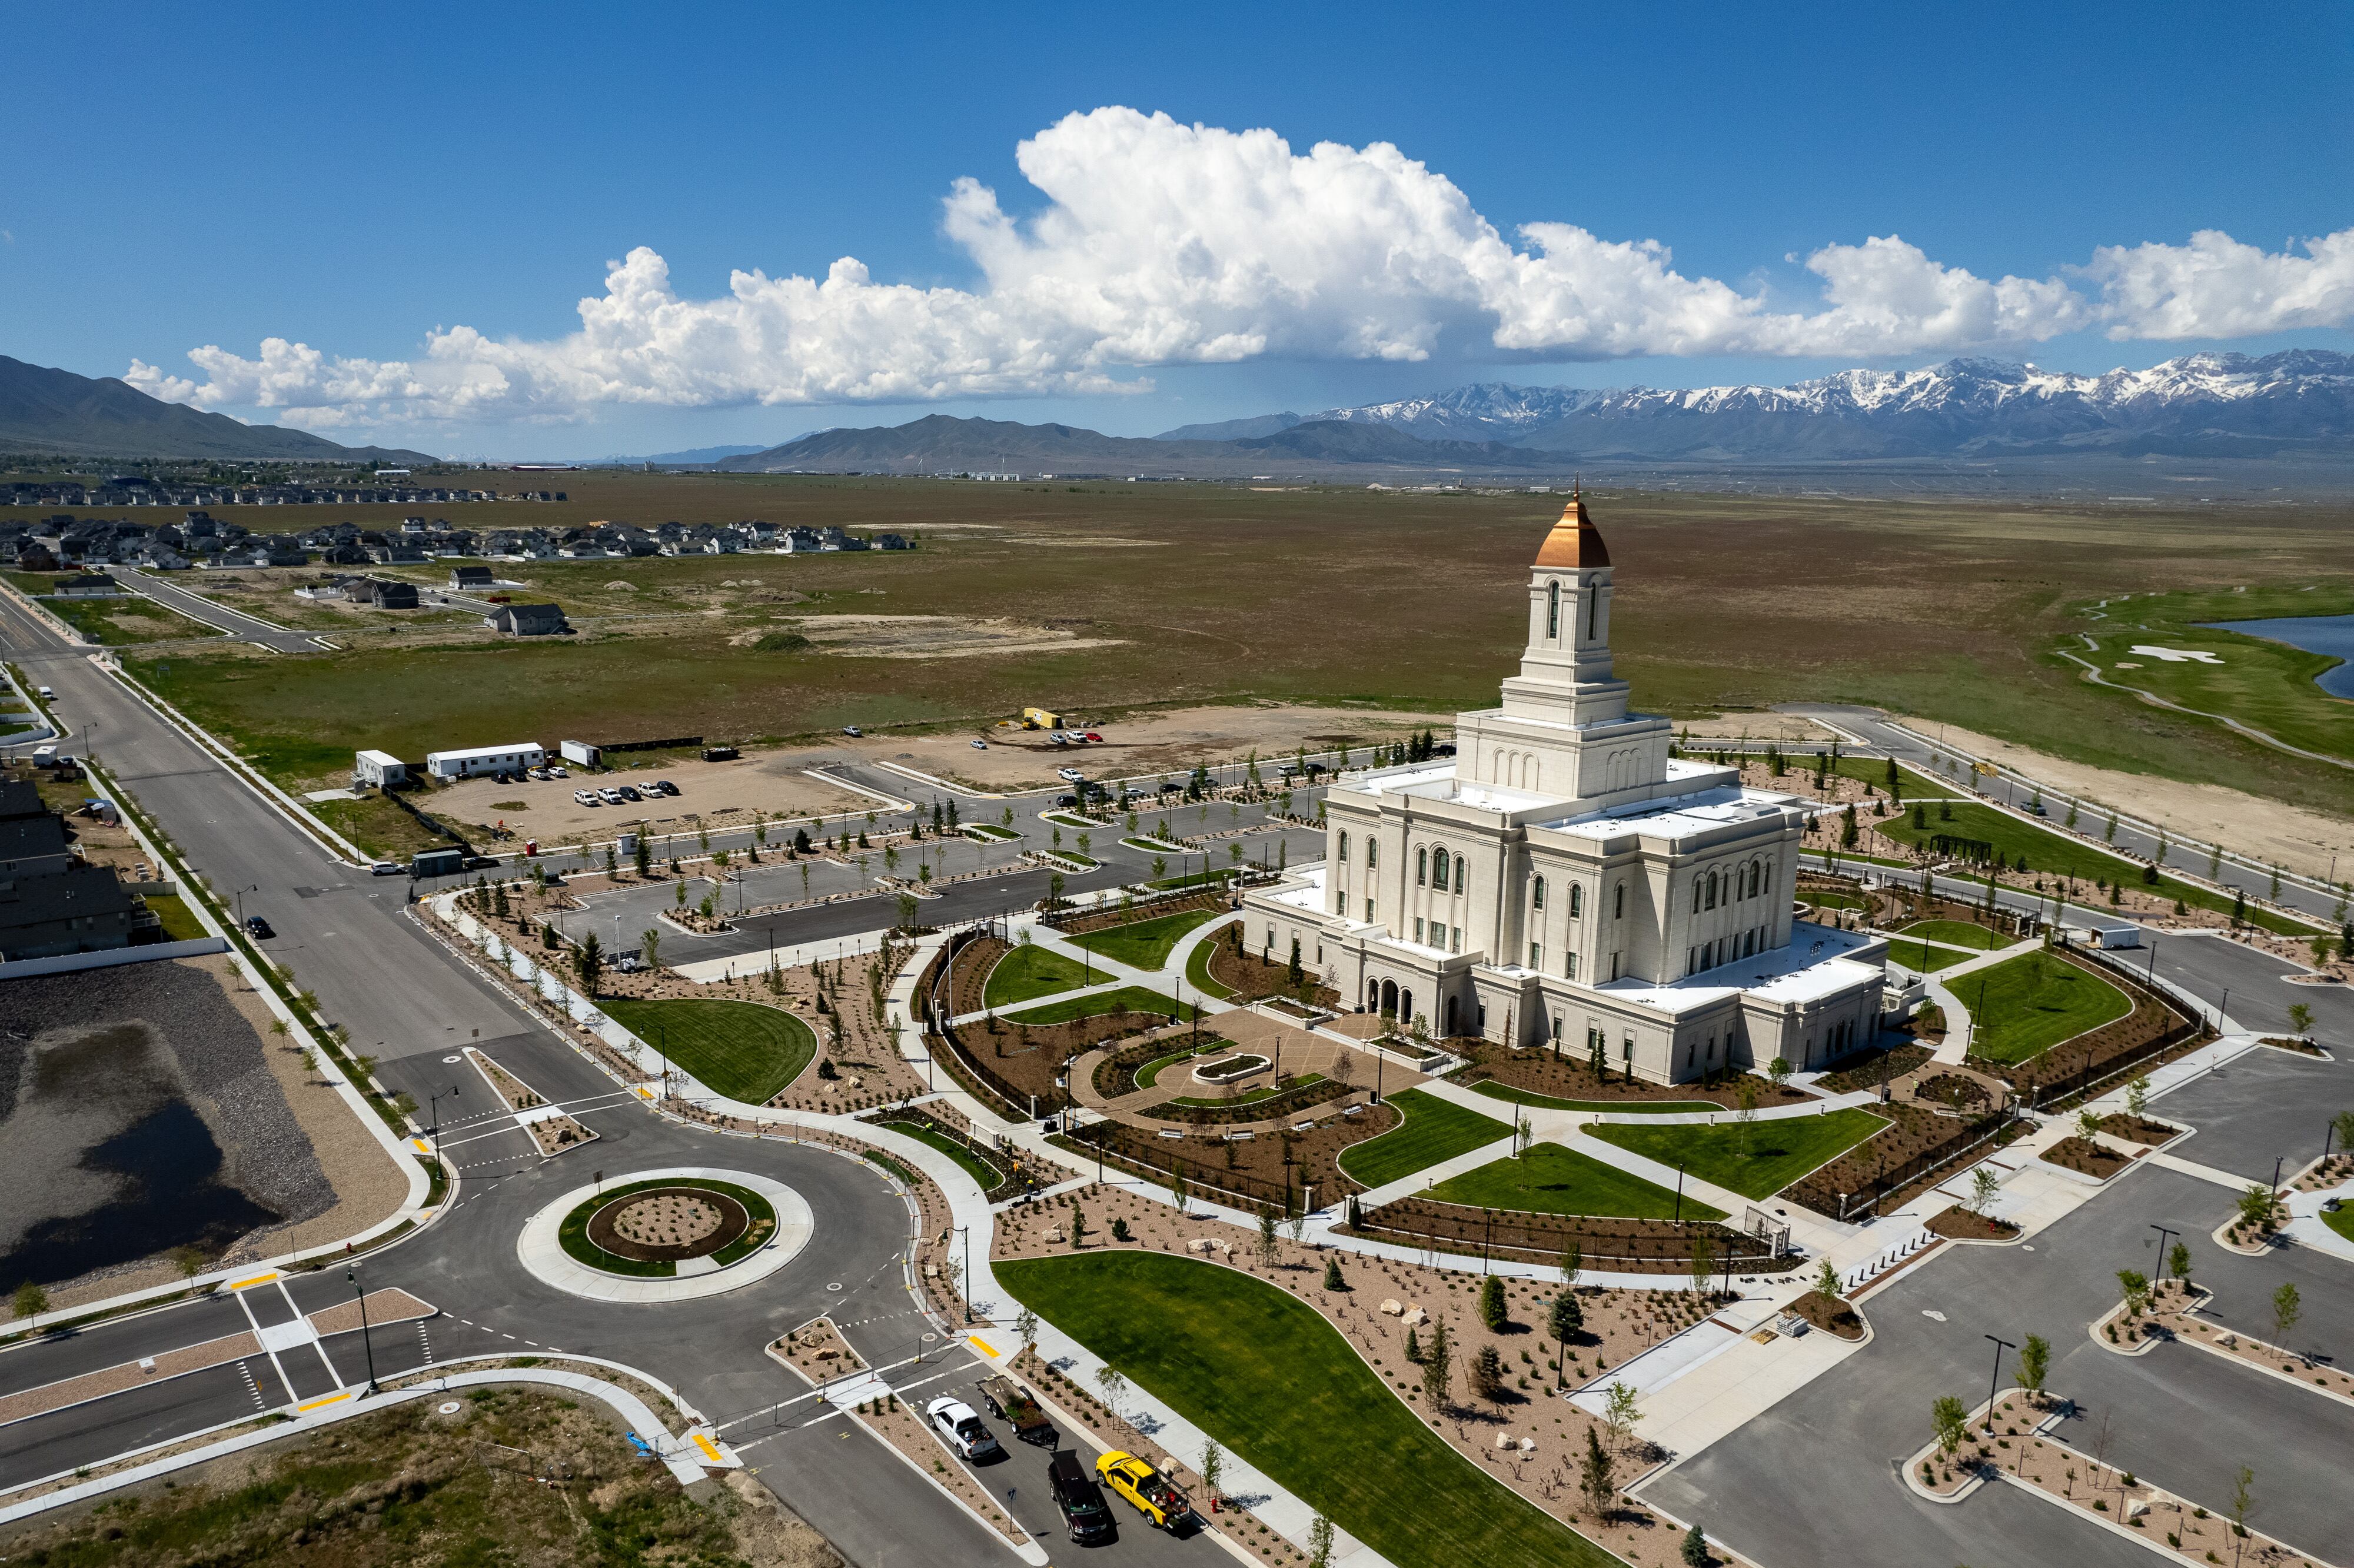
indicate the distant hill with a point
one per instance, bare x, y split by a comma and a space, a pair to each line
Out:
673, 460
44, 410
941, 444
1232, 429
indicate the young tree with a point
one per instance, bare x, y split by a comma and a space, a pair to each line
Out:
2034, 1365
1078, 1226
1950, 1420
650, 944
1566, 1322
2136, 1286
1983, 1187
2256, 1206
1319, 1544
2243, 1504
2287, 1310
1025, 1329
1333, 1278
1213, 1465
1572, 1260
588, 964
1108, 1378
2300, 1018
1618, 1414
1491, 1304
2088, 1124
2178, 1262
29, 1302
1695, 1549
1487, 1373
1826, 1283
2137, 1095
1268, 1220
1596, 1477
1437, 1367
1703, 1260
1779, 1070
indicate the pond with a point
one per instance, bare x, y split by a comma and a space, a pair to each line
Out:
2331, 634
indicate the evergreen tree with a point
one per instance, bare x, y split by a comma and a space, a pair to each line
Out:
1491, 1304
1437, 1367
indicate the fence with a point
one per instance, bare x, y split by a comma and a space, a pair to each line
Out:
1820, 1193
2045, 1090
1652, 1244
1122, 1146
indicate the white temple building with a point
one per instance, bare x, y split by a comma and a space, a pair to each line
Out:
1563, 879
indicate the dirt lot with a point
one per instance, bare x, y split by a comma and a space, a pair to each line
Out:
710, 793
1146, 743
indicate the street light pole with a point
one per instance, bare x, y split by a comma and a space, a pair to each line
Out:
965, 1237
2000, 1345
352, 1273
2162, 1234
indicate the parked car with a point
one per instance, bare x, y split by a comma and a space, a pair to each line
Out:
587, 798
1145, 1488
556, 772
981, 746
258, 928
1085, 1513
960, 1424
629, 793
537, 775
611, 796
851, 730
1069, 774
1094, 736
384, 868
1066, 800
664, 786
478, 863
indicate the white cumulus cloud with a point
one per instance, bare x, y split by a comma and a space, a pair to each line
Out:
1158, 243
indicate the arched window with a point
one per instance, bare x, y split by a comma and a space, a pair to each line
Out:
1536, 900
1373, 852
1571, 961
1593, 609
1552, 608
1421, 867
1344, 849
1712, 890
1577, 901
1699, 887
1458, 873
1619, 902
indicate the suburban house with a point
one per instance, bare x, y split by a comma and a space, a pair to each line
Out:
52, 901
385, 594
527, 621
95, 587
463, 578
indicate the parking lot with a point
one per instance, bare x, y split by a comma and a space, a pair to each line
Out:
773, 782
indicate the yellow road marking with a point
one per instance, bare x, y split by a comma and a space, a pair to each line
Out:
331, 1399
420, 1145
982, 1345
257, 1279
710, 1448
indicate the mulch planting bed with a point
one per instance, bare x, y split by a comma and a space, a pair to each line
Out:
1869, 1069
2287, 1042
2092, 1159
1076, 925
1959, 1225
2138, 1130
1629, 1246
1914, 1149
1250, 977
1836, 1316
1953, 1090
1030, 1057
1297, 1100
1253, 1168
1566, 1078
1115, 1074
970, 976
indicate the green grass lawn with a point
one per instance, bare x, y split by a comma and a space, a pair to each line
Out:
1031, 970
1924, 960
1197, 968
1433, 1129
1134, 998
2268, 684
180, 922
1071, 820
1144, 944
1779, 1151
1247, 1097
2054, 852
1955, 933
1551, 1180
119, 622
378, 826
1150, 1074
2026, 1006
1496, 1091
2342, 1222
981, 1170
1278, 1385
742, 1049
990, 831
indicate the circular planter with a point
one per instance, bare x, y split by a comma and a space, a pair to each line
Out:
665, 1236
1231, 1069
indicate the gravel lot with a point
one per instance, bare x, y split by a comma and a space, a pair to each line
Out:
157, 1052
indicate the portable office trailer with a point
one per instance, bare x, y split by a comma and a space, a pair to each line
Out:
467, 764
379, 768
581, 752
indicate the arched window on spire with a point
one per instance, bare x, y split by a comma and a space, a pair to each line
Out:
1592, 609
1552, 607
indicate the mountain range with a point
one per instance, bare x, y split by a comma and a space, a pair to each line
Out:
45, 411
2295, 404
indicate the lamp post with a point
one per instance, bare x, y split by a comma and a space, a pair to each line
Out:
433, 1109
2000, 1345
2162, 1234
1679, 1194
352, 1273
965, 1278
240, 896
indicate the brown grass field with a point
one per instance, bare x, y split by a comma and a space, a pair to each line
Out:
1111, 597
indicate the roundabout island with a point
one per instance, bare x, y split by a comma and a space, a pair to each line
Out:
665, 1236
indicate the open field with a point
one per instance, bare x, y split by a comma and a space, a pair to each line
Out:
1433, 1129
1776, 1152
1551, 1180
2027, 1004
2268, 684
742, 1049
1951, 610
119, 622
1270, 1380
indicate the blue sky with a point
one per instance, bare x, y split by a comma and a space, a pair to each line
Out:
224, 177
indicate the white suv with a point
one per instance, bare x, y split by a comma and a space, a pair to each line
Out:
1069, 774
611, 796
585, 798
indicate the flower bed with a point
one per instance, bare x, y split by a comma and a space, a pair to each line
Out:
2073, 1153
1621, 1245
2138, 1130
1561, 1076
1958, 1223
1836, 1315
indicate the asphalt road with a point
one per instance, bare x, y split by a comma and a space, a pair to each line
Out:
197, 607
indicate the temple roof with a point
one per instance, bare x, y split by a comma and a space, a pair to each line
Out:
1574, 542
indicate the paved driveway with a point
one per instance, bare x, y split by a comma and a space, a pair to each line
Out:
2263, 1106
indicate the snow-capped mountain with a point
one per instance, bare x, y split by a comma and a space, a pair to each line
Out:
2202, 404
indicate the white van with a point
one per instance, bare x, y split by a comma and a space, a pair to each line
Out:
46, 694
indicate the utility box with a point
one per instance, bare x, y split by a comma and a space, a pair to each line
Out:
437, 862
581, 752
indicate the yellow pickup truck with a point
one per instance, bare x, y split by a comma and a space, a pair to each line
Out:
1147, 1488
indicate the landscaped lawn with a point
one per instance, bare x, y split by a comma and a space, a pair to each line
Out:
1197, 968
990, 831
1246, 1096
742, 1049
1779, 1151
1922, 959
1143, 944
180, 922
2342, 1222
1551, 1180
1954, 933
2053, 853
1278, 1387
1134, 998
979, 1169
1150, 1074
1032, 970
2027, 1004
1519, 1097
1433, 1129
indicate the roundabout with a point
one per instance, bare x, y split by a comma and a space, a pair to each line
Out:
665, 1236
